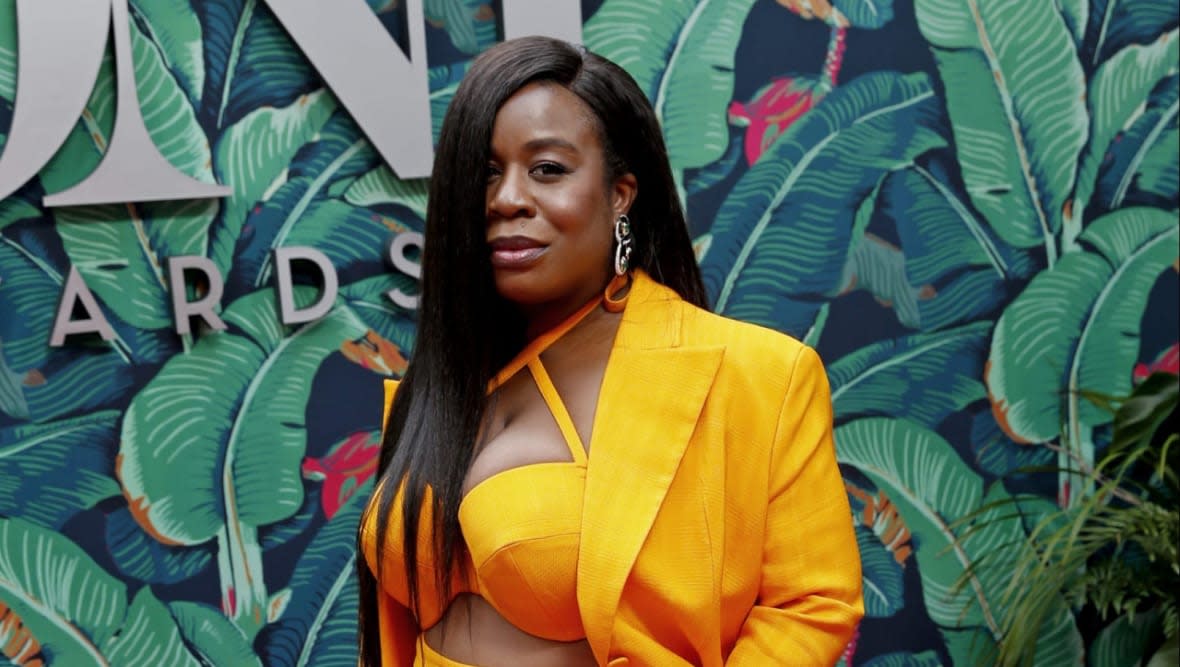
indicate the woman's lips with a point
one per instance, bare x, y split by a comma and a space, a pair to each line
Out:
516, 252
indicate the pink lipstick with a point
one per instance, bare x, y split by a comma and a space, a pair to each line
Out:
516, 252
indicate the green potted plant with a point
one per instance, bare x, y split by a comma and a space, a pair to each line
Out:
1115, 556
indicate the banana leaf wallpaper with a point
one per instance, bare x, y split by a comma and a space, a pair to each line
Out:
969, 207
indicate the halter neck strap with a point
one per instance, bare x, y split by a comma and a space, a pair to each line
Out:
541, 343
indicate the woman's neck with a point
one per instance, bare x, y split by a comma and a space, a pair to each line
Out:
540, 318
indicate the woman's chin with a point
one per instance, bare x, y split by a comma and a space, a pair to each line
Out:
524, 288
535, 289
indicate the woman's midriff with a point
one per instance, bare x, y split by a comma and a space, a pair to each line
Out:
473, 632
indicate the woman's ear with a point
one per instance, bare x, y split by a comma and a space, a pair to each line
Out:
623, 193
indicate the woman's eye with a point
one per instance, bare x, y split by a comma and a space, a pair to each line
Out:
549, 169
493, 172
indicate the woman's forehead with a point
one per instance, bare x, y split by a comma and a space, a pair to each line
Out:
545, 115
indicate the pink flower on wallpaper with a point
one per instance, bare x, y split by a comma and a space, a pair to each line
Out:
375, 353
772, 110
344, 469
850, 649
1168, 361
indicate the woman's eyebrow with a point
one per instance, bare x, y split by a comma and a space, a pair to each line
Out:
550, 142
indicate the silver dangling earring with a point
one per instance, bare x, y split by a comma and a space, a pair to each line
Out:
624, 244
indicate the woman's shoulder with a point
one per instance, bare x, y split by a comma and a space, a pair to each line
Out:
390, 387
700, 327
744, 339
758, 360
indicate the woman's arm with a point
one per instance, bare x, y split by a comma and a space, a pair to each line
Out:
398, 631
810, 598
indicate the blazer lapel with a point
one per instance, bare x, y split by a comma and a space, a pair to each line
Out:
651, 398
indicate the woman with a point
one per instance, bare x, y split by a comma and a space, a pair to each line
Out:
659, 487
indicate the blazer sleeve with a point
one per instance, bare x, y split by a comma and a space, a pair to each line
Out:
809, 602
398, 631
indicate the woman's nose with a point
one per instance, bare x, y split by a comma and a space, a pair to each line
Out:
508, 196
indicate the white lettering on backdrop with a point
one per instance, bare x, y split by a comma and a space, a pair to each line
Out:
60, 47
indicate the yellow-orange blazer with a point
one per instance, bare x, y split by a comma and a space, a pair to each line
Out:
716, 527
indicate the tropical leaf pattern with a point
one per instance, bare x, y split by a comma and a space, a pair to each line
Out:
969, 207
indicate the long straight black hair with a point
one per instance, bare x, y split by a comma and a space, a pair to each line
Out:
466, 331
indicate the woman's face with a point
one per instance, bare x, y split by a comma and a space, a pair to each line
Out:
550, 209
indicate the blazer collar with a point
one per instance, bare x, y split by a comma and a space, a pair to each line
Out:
653, 316
652, 394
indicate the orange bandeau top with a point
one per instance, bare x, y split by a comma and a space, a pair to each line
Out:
522, 526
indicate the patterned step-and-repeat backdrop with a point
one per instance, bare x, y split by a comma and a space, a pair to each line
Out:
969, 207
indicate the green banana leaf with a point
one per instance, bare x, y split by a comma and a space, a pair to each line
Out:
381, 186
318, 627
139, 556
183, 469
170, 118
884, 584
468, 23
974, 646
934, 491
50, 472
700, 180
443, 80
1015, 93
7, 53
681, 54
149, 636
78, 384
871, 14
923, 659
931, 488
212, 446
880, 268
367, 299
84, 147
253, 155
1076, 326
120, 252
877, 266
344, 233
1159, 173
167, 112
15, 209
783, 235
68, 604
276, 535
354, 239
174, 28
1159, 170
996, 454
454, 17
56, 383
956, 266
1076, 16
89, 381
29, 282
250, 61
212, 637
1116, 24
12, 396
1144, 154
922, 378
1123, 642
180, 227
938, 229
1116, 96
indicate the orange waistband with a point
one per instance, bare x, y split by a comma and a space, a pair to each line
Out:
428, 657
